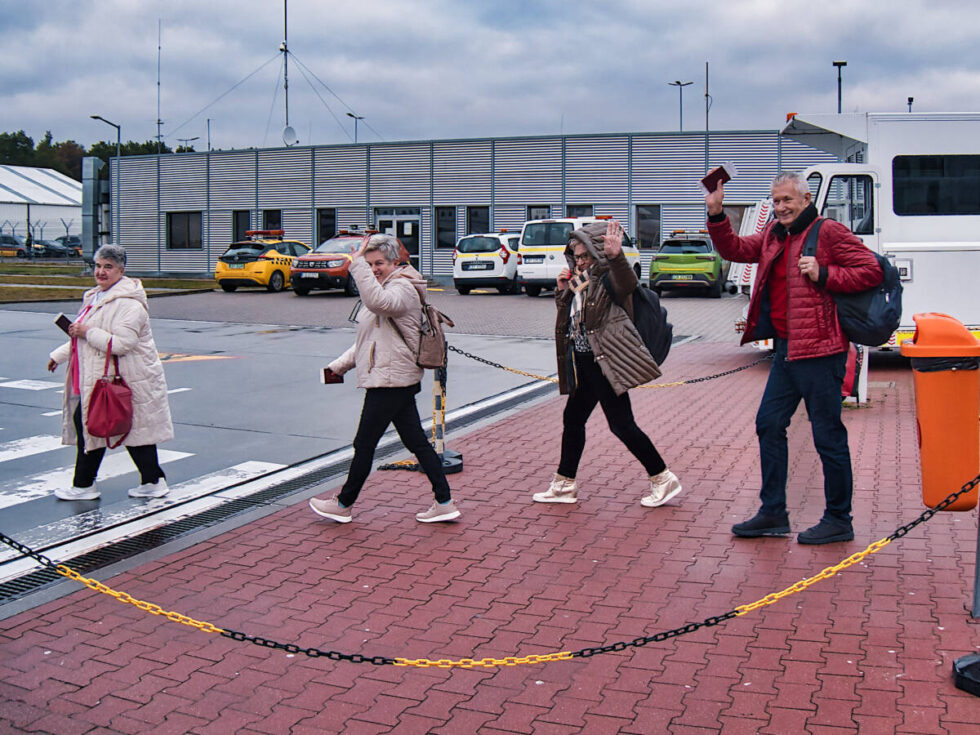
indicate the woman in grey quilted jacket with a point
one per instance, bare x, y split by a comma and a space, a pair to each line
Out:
114, 313
384, 355
600, 357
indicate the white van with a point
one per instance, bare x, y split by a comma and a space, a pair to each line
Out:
541, 256
486, 260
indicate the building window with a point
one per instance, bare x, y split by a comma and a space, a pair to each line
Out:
271, 219
537, 211
326, 224
241, 222
183, 230
578, 210
647, 226
445, 227
936, 185
477, 220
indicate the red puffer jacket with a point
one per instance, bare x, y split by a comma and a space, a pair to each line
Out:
846, 265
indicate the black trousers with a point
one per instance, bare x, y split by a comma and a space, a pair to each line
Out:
87, 463
592, 388
384, 406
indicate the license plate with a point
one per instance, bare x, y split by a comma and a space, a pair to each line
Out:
533, 259
683, 277
477, 266
309, 275
236, 265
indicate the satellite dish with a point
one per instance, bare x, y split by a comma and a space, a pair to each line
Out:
289, 135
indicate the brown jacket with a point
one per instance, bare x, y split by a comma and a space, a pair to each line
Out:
616, 345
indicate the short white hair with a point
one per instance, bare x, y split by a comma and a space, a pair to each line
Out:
793, 179
115, 253
386, 245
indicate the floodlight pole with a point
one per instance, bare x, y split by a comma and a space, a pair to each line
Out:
356, 118
839, 65
680, 94
115, 179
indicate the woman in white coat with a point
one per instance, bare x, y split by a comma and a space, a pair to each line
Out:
115, 310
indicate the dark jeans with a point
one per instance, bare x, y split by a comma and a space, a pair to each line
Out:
87, 463
383, 406
592, 388
817, 381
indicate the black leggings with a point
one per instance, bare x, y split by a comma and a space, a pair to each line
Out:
592, 388
87, 463
383, 406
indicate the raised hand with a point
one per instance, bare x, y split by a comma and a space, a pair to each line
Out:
613, 239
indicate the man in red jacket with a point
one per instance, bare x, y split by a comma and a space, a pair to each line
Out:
791, 303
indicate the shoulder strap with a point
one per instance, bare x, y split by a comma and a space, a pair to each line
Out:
810, 246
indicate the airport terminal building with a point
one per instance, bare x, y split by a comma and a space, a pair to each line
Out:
177, 213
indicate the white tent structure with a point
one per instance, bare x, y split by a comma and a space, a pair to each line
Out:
41, 199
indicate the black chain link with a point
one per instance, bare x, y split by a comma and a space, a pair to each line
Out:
356, 658
484, 360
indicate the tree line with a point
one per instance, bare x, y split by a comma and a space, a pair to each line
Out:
18, 149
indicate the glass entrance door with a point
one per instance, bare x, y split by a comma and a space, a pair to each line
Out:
407, 228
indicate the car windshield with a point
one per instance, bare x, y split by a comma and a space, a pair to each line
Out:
337, 245
478, 245
686, 248
546, 233
247, 248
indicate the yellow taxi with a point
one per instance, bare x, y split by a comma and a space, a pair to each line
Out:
264, 259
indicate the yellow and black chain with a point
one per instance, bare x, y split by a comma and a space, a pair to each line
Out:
468, 663
673, 384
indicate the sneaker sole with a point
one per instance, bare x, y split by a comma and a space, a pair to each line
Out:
647, 503
540, 499
137, 494
826, 539
444, 517
88, 496
776, 531
339, 519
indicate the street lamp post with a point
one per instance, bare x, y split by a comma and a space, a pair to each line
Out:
680, 94
839, 65
185, 141
356, 118
115, 179
911, 100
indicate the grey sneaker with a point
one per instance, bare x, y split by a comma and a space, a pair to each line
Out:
150, 490
78, 493
439, 512
562, 490
331, 509
662, 488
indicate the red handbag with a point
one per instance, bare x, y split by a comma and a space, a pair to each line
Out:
110, 407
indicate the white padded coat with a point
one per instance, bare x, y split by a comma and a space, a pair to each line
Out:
122, 316
382, 357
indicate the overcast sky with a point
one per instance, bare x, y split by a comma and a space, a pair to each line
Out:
421, 69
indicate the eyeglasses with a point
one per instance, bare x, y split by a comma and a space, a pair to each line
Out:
581, 256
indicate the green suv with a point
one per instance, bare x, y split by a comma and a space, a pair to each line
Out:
688, 260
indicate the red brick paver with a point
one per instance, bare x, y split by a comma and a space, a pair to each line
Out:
867, 651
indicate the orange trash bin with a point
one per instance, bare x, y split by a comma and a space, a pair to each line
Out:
945, 361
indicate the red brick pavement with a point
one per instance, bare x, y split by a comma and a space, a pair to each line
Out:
867, 651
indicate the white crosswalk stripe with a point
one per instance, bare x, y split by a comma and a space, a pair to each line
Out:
31, 384
28, 446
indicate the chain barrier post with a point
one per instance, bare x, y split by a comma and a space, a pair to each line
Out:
452, 461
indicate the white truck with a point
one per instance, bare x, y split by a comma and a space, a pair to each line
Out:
910, 188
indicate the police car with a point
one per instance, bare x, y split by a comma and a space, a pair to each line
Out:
542, 251
262, 260
487, 260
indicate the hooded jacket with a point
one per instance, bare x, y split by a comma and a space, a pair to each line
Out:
846, 266
387, 329
121, 316
616, 345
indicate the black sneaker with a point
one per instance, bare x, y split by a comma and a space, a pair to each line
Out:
762, 525
827, 532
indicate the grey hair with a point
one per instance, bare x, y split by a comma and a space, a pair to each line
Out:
115, 253
793, 179
386, 245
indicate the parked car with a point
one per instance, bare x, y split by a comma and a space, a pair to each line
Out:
13, 246
328, 266
54, 249
71, 241
688, 259
487, 260
262, 260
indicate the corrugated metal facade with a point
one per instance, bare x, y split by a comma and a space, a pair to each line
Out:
612, 174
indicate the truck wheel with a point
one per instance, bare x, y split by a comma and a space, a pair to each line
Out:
276, 282
229, 287
533, 291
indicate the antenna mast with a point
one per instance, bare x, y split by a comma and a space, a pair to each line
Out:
285, 58
159, 46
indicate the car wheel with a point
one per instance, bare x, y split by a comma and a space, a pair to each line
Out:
657, 290
463, 290
229, 287
515, 287
350, 286
276, 282
715, 290
301, 291
636, 270
533, 291
21, 253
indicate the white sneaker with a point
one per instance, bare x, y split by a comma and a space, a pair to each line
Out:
331, 508
563, 490
662, 488
150, 490
439, 512
78, 493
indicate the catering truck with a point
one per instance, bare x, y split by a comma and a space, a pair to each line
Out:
909, 186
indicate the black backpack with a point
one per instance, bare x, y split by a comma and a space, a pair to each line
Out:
867, 317
650, 320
